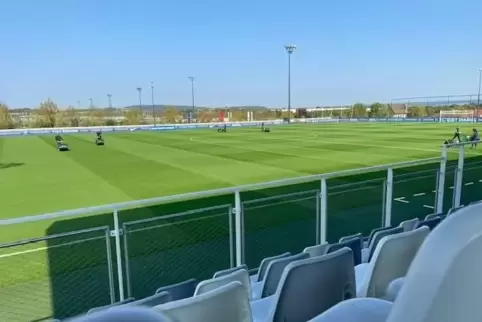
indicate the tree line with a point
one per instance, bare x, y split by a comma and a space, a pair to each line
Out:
48, 114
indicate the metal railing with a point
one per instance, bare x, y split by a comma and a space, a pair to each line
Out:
195, 234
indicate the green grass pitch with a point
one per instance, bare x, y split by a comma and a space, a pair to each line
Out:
36, 178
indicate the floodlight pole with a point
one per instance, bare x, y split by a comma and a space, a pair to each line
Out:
478, 96
78, 105
139, 90
191, 78
153, 105
290, 49
91, 103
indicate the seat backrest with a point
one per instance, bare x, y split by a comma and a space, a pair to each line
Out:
229, 271
430, 223
345, 238
443, 283
240, 275
309, 287
151, 301
355, 244
275, 270
226, 303
374, 231
452, 210
265, 262
105, 307
410, 224
378, 236
180, 290
317, 250
391, 260
123, 314
431, 216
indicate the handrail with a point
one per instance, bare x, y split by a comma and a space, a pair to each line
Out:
210, 193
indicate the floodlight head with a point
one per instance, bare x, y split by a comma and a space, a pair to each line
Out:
152, 84
290, 48
139, 89
191, 78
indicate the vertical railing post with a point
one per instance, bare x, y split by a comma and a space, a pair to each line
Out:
388, 197
238, 228
439, 208
118, 254
323, 210
460, 174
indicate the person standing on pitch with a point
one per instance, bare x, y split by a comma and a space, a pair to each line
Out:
474, 138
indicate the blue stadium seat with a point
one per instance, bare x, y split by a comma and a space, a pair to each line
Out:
264, 266
105, 307
430, 223
345, 238
226, 303
180, 290
355, 244
308, 287
273, 276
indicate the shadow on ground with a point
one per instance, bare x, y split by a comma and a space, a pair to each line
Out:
10, 165
165, 251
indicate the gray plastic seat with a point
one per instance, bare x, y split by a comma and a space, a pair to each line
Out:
105, 307
452, 210
229, 271
264, 266
123, 314
180, 290
345, 238
309, 287
317, 250
430, 223
228, 303
273, 275
355, 244
240, 275
151, 301
368, 252
409, 225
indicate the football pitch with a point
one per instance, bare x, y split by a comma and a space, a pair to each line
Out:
168, 243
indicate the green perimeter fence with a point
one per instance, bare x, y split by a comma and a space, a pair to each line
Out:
61, 265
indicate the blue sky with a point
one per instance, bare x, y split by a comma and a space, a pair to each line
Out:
347, 51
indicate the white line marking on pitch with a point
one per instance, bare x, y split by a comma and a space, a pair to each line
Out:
468, 184
480, 180
401, 199
418, 194
451, 187
434, 190
429, 207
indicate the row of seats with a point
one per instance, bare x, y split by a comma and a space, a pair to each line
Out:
294, 287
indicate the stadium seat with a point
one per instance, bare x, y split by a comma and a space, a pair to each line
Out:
442, 285
229, 271
372, 235
345, 238
180, 290
391, 260
317, 250
367, 253
151, 301
309, 287
452, 210
226, 303
409, 225
430, 223
264, 266
431, 216
355, 244
273, 275
241, 276
123, 314
394, 288
105, 307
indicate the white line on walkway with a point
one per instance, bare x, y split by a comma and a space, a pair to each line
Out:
401, 199
419, 194
429, 207
468, 183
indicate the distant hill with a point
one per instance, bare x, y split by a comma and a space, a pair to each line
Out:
188, 108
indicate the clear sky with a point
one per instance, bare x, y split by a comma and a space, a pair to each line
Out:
347, 51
